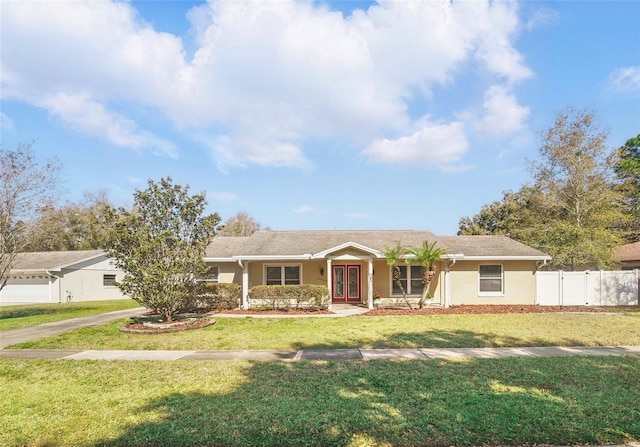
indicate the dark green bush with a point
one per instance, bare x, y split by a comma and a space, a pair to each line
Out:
307, 296
214, 296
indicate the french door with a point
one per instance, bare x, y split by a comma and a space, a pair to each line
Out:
346, 284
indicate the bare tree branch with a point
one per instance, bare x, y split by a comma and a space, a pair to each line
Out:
25, 186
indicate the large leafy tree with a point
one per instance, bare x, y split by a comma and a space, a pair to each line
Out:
582, 209
74, 226
239, 225
160, 245
570, 209
626, 164
512, 216
25, 183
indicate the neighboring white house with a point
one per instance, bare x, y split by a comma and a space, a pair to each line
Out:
61, 276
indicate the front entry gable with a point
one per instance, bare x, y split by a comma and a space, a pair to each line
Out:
348, 251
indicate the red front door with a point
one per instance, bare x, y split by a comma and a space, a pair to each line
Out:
346, 284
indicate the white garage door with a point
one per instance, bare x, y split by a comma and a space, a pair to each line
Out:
33, 290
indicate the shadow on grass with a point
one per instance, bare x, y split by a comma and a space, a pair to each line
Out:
436, 403
32, 311
439, 339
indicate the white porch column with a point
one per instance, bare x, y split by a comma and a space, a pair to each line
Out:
370, 283
245, 285
329, 283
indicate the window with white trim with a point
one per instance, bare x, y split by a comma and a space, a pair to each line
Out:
277, 275
490, 279
211, 275
108, 280
413, 284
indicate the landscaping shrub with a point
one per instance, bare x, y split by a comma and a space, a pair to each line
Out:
307, 296
214, 296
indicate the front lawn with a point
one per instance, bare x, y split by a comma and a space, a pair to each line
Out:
433, 331
25, 315
515, 401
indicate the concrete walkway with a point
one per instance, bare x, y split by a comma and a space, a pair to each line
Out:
337, 310
15, 336
322, 354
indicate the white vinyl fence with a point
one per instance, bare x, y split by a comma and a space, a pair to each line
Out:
590, 288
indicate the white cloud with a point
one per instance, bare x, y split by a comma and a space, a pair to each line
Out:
74, 58
625, 80
502, 115
93, 118
134, 180
433, 145
306, 209
224, 196
6, 122
495, 26
266, 77
542, 16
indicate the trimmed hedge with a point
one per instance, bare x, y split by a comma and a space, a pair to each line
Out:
309, 296
214, 296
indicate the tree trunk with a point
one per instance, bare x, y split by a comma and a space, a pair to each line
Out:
423, 298
396, 276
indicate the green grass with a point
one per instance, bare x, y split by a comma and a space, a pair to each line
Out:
561, 329
557, 401
19, 316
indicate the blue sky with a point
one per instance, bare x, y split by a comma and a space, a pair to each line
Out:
312, 115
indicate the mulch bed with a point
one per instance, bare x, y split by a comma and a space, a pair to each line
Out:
274, 312
488, 309
436, 310
163, 328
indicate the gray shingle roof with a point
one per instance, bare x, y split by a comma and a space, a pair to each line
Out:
487, 246
295, 243
50, 260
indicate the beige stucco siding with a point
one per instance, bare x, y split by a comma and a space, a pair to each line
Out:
229, 272
519, 283
382, 283
310, 271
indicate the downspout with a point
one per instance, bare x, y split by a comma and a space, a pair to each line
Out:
447, 283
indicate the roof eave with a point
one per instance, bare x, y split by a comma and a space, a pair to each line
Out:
272, 257
57, 268
211, 259
506, 258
